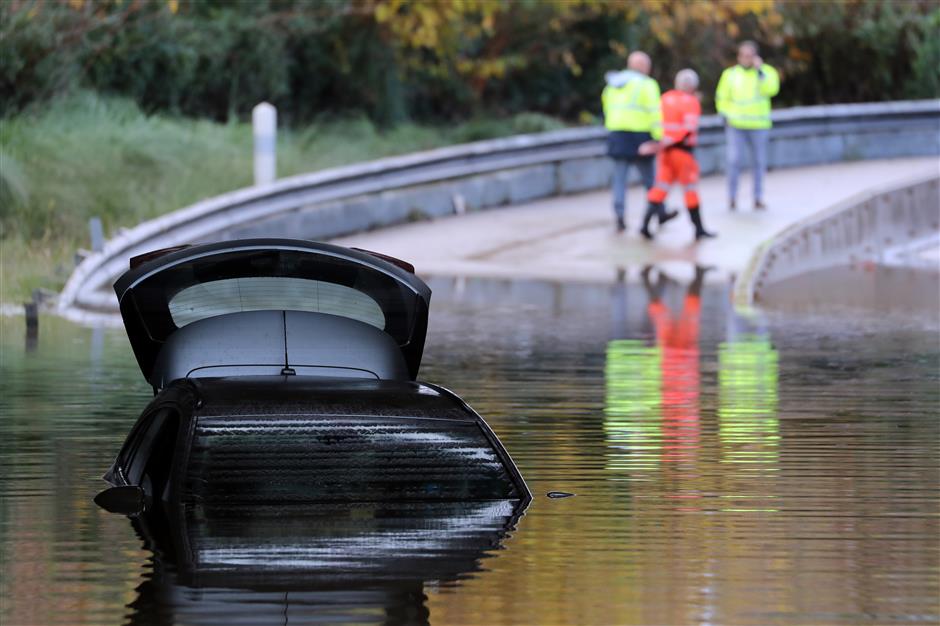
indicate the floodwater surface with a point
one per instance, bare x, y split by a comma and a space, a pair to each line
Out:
728, 468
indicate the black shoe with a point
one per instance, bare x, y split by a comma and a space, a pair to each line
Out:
664, 216
621, 225
759, 205
704, 234
732, 205
646, 233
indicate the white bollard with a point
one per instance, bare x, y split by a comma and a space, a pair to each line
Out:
97, 234
264, 123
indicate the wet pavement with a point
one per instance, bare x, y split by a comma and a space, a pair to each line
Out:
730, 468
572, 237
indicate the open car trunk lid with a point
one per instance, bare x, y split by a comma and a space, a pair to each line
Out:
219, 281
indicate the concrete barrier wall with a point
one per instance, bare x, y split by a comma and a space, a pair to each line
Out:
871, 227
479, 176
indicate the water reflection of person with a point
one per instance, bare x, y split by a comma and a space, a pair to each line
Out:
632, 398
747, 392
678, 340
652, 391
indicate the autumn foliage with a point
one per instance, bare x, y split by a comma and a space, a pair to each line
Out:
448, 59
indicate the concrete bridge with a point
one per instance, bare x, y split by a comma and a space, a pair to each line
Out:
559, 225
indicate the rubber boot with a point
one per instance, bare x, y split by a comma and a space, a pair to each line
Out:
664, 215
696, 216
652, 209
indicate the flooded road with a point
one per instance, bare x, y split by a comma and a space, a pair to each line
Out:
729, 468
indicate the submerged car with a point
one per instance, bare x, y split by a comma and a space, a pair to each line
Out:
284, 371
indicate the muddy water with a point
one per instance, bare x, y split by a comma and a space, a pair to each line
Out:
728, 467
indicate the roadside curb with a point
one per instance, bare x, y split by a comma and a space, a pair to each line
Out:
867, 242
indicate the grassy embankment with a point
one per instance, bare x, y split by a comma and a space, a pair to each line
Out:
92, 156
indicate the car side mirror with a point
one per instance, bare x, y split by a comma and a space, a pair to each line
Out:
126, 500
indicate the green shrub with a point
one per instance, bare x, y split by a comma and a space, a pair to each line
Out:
85, 155
535, 123
859, 51
924, 42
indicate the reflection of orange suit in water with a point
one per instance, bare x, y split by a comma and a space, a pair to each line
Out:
677, 338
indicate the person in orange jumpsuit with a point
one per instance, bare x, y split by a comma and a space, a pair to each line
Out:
676, 161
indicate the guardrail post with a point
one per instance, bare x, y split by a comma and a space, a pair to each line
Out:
264, 124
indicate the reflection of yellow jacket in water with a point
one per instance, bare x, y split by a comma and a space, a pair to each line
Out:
631, 410
638, 398
747, 400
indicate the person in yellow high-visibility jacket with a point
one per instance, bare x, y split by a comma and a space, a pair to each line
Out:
633, 118
743, 100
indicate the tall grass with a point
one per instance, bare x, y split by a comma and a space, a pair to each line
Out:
90, 156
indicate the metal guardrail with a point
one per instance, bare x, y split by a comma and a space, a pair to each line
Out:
797, 132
